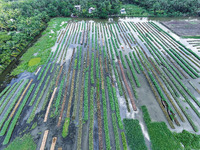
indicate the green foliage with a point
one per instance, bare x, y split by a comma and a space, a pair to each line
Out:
59, 96
42, 48
65, 127
9, 97
116, 133
122, 59
134, 63
34, 61
135, 10
160, 136
134, 134
31, 117
110, 94
24, 143
124, 141
14, 122
117, 111
4, 91
133, 72
86, 97
92, 69
132, 85
13, 104
189, 140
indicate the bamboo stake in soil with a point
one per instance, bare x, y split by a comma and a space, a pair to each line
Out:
53, 143
44, 140
49, 106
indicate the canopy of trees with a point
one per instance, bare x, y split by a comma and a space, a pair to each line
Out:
21, 21
169, 7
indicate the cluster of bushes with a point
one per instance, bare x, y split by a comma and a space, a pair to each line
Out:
159, 133
134, 134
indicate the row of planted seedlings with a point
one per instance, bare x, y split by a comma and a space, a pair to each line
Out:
156, 94
69, 106
185, 88
113, 105
162, 86
116, 71
191, 122
5, 121
183, 47
183, 62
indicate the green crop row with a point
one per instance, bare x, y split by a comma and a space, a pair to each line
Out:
105, 119
187, 64
111, 51
59, 96
86, 97
116, 133
134, 63
52, 83
115, 49
39, 85
4, 129
54, 55
92, 69
182, 93
132, 85
124, 141
137, 60
4, 90
31, 117
91, 145
159, 91
133, 72
117, 111
134, 134
122, 59
6, 94
110, 94
117, 79
9, 97
14, 122
13, 103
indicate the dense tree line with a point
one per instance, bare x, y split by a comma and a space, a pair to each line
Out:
22, 21
169, 7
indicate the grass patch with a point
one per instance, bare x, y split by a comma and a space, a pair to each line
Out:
34, 126
135, 10
42, 47
24, 143
34, 61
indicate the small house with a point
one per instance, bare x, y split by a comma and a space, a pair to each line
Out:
123, 11
90, 10
78, 7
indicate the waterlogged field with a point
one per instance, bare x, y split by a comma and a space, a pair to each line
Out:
89, 92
